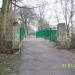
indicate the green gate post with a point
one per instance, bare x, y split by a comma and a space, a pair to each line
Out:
22, 33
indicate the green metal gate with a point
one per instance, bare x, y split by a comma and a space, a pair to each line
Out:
48, 33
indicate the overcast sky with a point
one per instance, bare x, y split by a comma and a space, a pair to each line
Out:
0, 3
50, 14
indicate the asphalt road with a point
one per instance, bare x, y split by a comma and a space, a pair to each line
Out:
40, 57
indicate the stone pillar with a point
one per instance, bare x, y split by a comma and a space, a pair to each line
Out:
16, 35
61, 33
12, 38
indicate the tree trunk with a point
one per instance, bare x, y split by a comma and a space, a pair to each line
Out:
3, 22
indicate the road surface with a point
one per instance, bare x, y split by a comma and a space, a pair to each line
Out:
40, 57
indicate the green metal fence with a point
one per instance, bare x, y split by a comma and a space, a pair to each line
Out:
48, 33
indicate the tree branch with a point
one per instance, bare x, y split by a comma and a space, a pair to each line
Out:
24, 6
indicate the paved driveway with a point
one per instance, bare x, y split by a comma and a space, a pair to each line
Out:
40, 57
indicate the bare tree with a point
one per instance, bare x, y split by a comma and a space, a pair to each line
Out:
26, 15
4, 21
57, 17
42, 14
68, 10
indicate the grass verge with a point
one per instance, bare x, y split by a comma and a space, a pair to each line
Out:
8, 63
